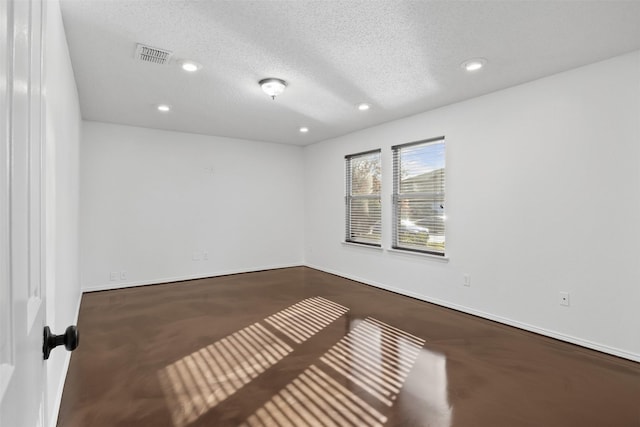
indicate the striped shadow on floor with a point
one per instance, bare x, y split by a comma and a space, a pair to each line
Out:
374, 357
315, 399
303, 320
201, 380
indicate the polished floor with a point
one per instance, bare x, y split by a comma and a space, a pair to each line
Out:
298, 347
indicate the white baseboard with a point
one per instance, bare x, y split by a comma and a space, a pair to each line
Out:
111, 286
53, 421
510, 322
542, 331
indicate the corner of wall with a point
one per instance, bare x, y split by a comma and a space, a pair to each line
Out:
63, 135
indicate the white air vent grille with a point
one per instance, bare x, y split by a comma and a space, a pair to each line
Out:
152, 54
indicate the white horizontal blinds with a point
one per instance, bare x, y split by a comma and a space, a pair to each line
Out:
419, 196
363, 210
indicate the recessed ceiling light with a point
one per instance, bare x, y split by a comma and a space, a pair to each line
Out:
474, 64
364, 106
304, 129
190, 66
164, 108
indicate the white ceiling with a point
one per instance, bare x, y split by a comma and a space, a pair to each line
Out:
402, 57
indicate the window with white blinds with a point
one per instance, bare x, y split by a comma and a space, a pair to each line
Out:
363, 212
419, 196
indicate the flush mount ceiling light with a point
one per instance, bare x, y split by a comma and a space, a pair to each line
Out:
364, 106
272, 86
190, 66
164, 108
304, 129
474, 64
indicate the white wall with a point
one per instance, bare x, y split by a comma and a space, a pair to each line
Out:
151, 198
543, 195
62, 172
543, 184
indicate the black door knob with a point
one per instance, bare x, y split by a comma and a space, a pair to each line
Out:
70, 339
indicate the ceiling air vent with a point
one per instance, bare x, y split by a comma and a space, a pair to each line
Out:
152, 54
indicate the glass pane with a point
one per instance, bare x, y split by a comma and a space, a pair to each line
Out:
421, 224
365, 220
365, 174
422, 168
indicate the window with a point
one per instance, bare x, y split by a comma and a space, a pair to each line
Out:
419, 196
363, 211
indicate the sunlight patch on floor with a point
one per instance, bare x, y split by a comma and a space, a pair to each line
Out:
315, 399
376, 356
201, 380
303, 320
373, 359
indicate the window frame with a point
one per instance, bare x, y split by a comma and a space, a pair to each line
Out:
349, 198
397, 196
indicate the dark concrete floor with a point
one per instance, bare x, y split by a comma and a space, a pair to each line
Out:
298, 347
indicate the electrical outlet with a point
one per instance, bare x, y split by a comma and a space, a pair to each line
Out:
123, 275
564, 298
466, 279
197, 256
113, 276
205, 255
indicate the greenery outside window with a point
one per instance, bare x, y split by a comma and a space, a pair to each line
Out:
363, 212
419, 196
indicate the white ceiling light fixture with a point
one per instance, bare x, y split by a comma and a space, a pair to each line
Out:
363, 106
190, 66
304, 129
474, 64
272, 86
164, 108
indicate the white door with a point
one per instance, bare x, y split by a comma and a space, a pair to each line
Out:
22, 287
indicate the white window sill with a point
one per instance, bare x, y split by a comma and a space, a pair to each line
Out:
419, 254
362, 245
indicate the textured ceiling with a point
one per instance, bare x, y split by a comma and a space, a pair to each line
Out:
402, 57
